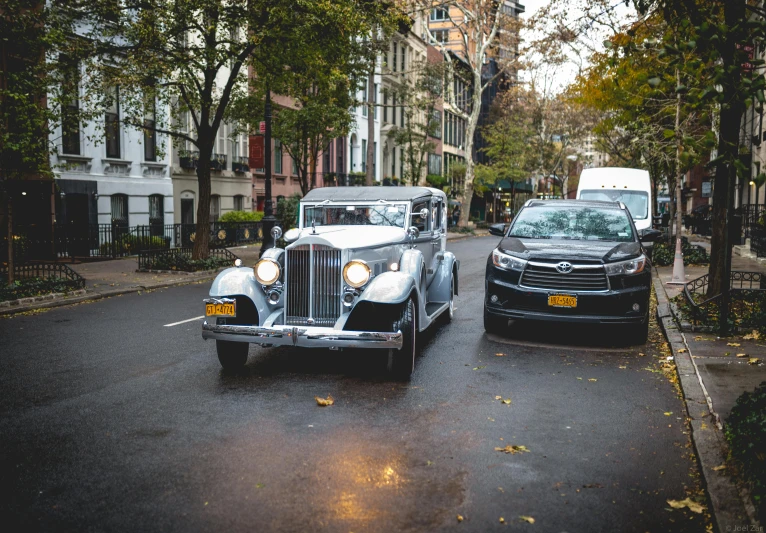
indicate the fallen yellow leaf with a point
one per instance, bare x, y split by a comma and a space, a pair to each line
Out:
754, 336
498, 397
688, 503
668, 413
753, 361
580, 379
592, 379
732, 344
459, 518
500, 355
512, 449
719, 468
681, 350
623, 367
641, 354
507, 401
324, 402
502, 520
741, 355
527, 519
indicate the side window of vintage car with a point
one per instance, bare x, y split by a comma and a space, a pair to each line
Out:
436, 214
420, 222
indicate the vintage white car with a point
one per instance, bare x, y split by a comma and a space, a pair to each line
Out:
365, 268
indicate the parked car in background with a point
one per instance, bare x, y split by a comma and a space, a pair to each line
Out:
570, 261
367, 267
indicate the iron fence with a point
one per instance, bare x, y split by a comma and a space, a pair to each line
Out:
35, 278
751, 218
747, 301
758, 241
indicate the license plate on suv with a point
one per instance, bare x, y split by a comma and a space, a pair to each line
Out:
227, 309
562, 300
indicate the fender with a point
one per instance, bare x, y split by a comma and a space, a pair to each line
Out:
241, 281
439, 289
381, 302
412, 263
388, 288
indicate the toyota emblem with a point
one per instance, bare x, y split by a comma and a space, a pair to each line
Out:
564, 267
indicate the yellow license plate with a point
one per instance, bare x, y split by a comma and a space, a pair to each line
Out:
562, 300
220, 310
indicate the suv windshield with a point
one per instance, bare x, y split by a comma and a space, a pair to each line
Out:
637, 202
355, 215
570, 222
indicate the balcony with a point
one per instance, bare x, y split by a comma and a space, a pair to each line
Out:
240, 164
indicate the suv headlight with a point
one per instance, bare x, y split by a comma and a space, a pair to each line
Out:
356, 273
267, 271
507, 262
633, 266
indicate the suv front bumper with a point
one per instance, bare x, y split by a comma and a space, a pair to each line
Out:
305, 336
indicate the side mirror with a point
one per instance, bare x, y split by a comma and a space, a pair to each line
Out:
649, 235
423, 213
413, 232
276, 232
497, 229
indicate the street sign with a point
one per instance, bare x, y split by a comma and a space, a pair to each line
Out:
262, 127
707, 189
257, 152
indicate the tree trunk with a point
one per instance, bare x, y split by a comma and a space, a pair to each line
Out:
11, 277
473, 120
370, 155
202, 232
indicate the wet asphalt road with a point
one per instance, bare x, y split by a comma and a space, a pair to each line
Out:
110, 421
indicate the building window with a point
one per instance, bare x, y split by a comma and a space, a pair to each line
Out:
440, 36
375, 101
150, 136
434, 164
295, 166
364, 155
120, 209
364, 98
277, 156
239, 203
438, 14
393, 63
112, 123
215, 208
374, 159
70, 119
385, 106
401, 116
404, 54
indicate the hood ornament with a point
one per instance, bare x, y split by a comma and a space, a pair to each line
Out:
313, 227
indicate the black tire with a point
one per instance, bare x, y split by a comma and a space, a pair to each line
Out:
450, 314
493, 323
401, 363
232, 355
638, 334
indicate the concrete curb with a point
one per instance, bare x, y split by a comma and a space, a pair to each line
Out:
731, 509
467, 236
93, 296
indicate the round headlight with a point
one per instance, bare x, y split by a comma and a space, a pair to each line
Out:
356, 273
267, 271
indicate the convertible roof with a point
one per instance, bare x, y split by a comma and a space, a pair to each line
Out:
372, 194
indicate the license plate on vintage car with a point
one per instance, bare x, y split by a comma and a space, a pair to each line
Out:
227, 309
562, 300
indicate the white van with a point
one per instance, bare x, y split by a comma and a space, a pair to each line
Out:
631, 186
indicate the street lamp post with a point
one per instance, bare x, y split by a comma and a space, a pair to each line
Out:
268, 208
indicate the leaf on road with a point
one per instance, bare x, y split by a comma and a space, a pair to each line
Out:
502, 520
592, 379
498, 397
459, 518
324, 402
753, 361
593, 486
507, 401
719, 468
479, 367
500, 355
527, 519
668, 413
688, 503
754, 336
741, 355
681, 350
732, 344
512, 449
259, 485
623, 367
580, 379
641, 354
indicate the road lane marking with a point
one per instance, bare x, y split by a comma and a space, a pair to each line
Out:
185, 321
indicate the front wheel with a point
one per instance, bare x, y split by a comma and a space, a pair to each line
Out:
232, 355
450, 314
401, 363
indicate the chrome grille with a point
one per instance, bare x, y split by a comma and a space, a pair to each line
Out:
313, 285
583, 278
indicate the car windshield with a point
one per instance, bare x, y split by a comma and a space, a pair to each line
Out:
637, 202
571, 222
355, 215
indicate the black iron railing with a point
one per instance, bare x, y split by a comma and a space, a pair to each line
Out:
33, 279
758, 241
181, 259
240, 164
751, 218
747, 301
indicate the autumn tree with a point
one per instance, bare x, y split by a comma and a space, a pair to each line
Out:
479, 31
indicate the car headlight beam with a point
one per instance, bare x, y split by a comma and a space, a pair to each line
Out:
267, 271
356, 273
632, 266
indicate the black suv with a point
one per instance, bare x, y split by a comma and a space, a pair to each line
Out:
570, 261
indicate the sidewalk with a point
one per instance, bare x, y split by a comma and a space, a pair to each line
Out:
713, 373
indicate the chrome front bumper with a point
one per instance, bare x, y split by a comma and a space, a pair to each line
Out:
306, 336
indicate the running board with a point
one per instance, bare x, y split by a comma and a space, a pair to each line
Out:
434, 309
